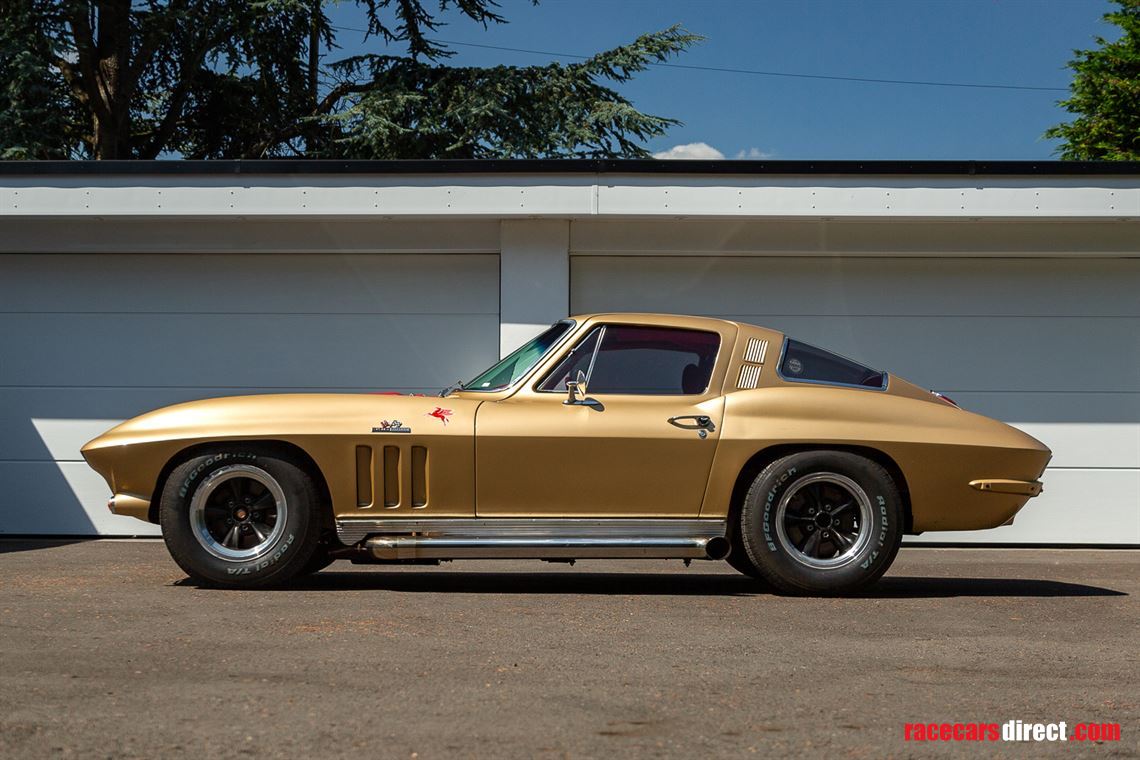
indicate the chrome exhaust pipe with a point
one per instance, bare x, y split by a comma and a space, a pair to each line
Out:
391, 548
717, 548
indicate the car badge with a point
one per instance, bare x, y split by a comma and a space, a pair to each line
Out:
440, 414
391, 426
795, 366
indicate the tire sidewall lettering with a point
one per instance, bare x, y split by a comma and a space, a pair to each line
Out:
767, 528
188, 483
871, 557
211, 463
266, 562
881, 534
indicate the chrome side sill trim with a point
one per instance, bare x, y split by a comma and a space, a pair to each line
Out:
354, 530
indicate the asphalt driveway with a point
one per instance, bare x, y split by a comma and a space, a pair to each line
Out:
107, 651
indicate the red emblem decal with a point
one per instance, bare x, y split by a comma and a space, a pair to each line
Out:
440, 414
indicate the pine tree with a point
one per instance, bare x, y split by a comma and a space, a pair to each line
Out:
122, 79
1105, 95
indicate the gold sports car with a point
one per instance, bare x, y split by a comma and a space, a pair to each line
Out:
608, 435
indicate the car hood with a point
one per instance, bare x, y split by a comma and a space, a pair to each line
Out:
295, 414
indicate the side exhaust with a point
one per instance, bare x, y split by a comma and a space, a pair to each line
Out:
397, 548
718, 547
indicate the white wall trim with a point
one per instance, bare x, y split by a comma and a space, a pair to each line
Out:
505, 196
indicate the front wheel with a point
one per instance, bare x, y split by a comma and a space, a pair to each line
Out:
241, 519
821, 522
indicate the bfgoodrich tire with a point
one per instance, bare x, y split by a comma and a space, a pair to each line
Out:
821, 522
241, 518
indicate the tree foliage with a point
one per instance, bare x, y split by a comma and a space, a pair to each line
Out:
118, 79
1105, 95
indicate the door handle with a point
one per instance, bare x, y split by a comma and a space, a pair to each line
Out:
693, 422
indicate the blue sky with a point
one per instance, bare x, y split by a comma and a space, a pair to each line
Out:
1013, 42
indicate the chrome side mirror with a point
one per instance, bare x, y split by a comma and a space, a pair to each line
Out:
576, 392
576, 388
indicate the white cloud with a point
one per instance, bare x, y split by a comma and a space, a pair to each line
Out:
691, 150
754, 154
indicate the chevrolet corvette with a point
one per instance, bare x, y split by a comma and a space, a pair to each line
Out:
606, 436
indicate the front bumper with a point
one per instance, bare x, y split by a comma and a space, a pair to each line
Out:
129, 506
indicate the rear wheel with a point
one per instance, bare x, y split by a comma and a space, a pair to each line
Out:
821, 522
241, 519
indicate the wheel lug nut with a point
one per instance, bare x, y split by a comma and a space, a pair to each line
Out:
811, 510
826, 534
810, 528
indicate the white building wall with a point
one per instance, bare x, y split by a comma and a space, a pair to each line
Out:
1048, 263
534, 278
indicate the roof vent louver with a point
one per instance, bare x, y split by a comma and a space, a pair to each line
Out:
749, 377
754, 354
756, 350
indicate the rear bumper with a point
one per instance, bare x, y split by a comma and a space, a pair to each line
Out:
1001, 485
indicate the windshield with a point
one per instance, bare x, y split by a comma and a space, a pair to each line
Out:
522, 360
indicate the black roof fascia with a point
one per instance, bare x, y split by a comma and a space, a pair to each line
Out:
569, 166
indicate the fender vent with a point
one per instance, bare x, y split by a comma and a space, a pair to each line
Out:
749, 377
756, 350
419, 477
364, 497
391, 477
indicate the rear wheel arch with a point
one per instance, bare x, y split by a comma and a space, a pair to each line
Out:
282, 449
766, 456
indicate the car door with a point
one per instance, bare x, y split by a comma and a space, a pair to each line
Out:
639, 444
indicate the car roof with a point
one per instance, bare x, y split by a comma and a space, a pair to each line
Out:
674, 320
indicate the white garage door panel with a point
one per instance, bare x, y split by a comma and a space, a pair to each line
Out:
1093, 444
251, 284
60, 498
87, 341
1083, 429
1077, 506
406, 351
966, 353
846, 286
1031, 406
1052, 346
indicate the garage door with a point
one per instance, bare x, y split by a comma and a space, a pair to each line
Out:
1049, 345
88, 340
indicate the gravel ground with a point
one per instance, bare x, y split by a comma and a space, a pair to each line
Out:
106, 650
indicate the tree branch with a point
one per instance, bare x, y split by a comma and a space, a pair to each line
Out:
177, 101
87, 80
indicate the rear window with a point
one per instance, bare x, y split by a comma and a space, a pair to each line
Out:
802, 363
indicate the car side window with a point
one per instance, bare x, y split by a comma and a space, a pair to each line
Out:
803, 363
640, 360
